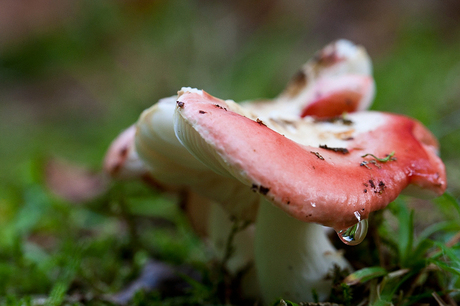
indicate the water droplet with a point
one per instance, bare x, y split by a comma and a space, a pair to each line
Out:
355, 234
357, 215
313, 204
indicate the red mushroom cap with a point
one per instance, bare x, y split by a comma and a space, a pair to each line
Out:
334, 96
336, 184
337, 79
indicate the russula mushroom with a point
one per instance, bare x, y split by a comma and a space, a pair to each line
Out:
337, 80
330, 172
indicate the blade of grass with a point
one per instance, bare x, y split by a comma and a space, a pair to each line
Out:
364, 275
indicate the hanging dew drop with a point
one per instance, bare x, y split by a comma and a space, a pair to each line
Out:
355, 234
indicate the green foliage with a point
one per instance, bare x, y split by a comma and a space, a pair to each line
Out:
50, 248
419, 266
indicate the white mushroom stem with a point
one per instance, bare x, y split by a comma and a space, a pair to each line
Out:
292, 257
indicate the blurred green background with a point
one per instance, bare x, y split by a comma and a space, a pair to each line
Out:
73, 74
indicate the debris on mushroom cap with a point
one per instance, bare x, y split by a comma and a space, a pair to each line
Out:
276, 160
338, 79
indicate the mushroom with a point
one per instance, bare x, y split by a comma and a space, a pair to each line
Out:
309, 172
338, 76
337, 79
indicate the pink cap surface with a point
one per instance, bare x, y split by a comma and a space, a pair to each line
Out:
336, 188
335, 96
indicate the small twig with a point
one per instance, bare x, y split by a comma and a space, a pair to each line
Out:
438, 299
317, 155
389, 157
123, 213
453, 241
223, 280
131, 223
382, 160
364, 164
416, 282
237, 226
